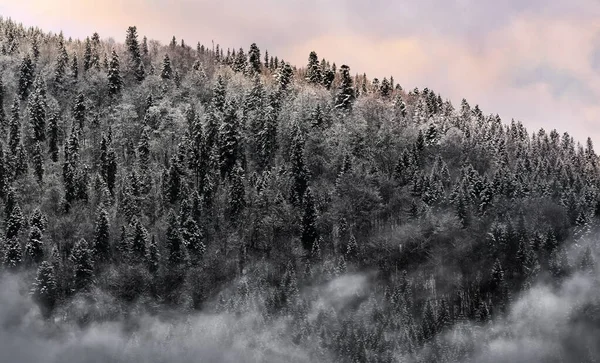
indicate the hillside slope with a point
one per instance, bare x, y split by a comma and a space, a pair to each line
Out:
317, 215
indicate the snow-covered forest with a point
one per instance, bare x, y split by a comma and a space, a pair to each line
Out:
185, 203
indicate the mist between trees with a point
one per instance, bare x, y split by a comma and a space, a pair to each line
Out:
164, 203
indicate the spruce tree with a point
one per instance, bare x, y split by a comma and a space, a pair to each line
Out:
239, 64
108, 164
25, 77
193, 239
20, 165
133, 47
87, 55
83, 266
139, 240
45, 287
53, 133
95, 59
309, 220
266, 59
166, 71
102, 250
218, 98
75, 67
37, 112
61, 63
153, 256
3, 119
145, 46
254, 59
173, 181
175, 247
79, 110
144, 150
229, 141
38, 162
4, 172
15, 222
115, 82
346, 95
14, 129
284, 75
267, 139
300, 173
13, 253
385, 88
313, 69
34, 249
237, 192
38, 219
35, 49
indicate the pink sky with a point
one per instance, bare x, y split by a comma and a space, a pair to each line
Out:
536, 61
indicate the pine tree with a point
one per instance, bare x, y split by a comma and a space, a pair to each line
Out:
102, 250
309, 220
34, 249
300, 173
346, 95
53, 132
115, 82
45, 287
25, 77
15, 222
83, 266
175, 247
79, 110
38, 162
254, 59
139, 241
166, 71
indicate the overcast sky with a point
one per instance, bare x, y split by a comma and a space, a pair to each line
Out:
537, 61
